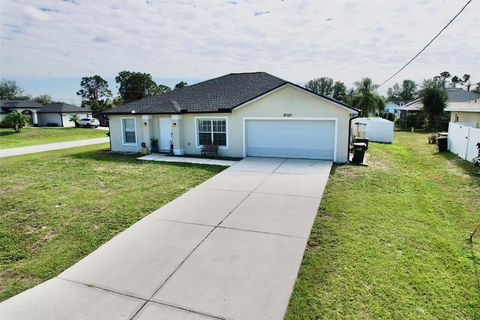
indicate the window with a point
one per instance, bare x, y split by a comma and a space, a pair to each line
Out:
128, 127
212, 131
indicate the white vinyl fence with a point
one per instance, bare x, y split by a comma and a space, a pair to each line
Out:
462, 140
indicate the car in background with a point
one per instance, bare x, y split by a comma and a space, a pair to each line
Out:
88, 123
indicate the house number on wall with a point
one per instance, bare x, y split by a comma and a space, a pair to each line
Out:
287, 115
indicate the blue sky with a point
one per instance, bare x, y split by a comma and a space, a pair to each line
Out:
47, 46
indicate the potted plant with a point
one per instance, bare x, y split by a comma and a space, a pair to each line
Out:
154, 145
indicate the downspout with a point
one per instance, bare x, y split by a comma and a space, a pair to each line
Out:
61, 118
350, 135
109, 133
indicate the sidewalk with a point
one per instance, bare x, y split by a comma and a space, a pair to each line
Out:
49, 147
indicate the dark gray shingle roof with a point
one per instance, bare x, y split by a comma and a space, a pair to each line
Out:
220, 94
27, 104
460, 95
62, 107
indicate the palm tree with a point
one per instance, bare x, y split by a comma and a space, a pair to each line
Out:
74, 118
366, 98
16, 120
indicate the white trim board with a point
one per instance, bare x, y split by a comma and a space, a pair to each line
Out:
245, 119
122, 132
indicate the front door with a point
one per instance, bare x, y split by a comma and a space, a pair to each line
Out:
165, 133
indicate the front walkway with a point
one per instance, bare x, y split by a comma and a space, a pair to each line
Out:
167, 158
50, 146
230, 248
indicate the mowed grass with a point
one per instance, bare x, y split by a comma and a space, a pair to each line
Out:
59, 206
34, 136
391, 240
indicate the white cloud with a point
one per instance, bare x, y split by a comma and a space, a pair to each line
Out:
296, 40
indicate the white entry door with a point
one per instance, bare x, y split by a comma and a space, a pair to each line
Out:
165, 133
309, 139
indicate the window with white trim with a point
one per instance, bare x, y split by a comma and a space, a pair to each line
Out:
212, 132
129, 135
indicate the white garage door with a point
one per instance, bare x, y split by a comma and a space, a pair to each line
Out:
309, 139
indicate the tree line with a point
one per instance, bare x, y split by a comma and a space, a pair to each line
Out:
95, 91
364, 95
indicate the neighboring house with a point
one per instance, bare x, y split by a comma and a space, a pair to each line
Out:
454, 95
392, 107
245, 114
412, 107
27, 107
467, 113
58, 114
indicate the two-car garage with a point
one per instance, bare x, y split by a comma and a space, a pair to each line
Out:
308, 138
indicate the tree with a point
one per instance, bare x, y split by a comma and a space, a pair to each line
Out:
477, 89
434, 98
322, 86
181, 84
43, 99
95, 93
466, 81
15, 120
9, 90
445, 75
339, 91
405, 92
157, 90
137, 85
74, 118
366, 97
455, 80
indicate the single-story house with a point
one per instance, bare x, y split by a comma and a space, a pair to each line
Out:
58, 114
454, 95
392, 107
27, 107
245, 114
467, 113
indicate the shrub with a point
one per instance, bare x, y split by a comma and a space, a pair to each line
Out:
15, 120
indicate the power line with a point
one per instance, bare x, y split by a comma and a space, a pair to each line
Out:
429, 43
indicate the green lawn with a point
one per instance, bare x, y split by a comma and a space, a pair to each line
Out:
34, 136
56, 207
391, 239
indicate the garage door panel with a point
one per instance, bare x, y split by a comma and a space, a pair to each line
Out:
312, 139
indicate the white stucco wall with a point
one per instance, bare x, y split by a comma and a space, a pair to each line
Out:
466, 117
287, 100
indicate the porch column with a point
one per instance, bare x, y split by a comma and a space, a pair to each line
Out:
176, 134
35, 118
147, 123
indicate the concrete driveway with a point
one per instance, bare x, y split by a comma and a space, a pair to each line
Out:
230, 248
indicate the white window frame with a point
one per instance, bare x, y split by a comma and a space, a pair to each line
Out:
123, 131
197, 138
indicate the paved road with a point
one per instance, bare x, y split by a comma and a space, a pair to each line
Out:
50, 146
230, 248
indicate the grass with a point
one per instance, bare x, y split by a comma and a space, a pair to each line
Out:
34, 136
391, 240
56, 207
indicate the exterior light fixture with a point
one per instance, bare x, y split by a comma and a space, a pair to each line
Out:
174, 124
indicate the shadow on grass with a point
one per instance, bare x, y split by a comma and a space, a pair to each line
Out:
114, 157
466, 166
7, 133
